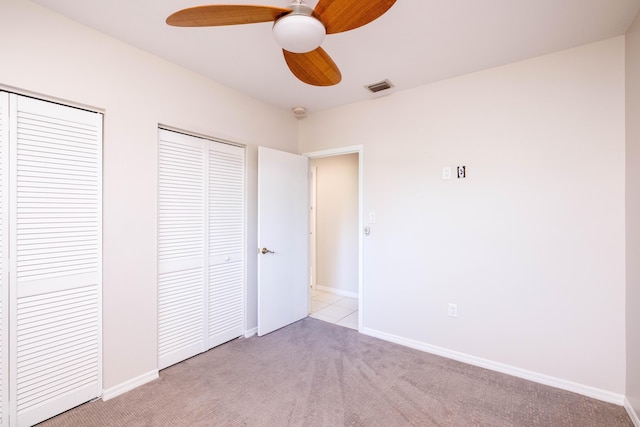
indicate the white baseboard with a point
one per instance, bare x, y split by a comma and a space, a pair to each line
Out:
336, 291
250, 332
632, 413
126, 386
585, 390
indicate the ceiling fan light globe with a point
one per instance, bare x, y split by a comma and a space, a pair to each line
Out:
299, 33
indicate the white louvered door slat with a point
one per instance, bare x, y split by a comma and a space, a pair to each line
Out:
181, 247
56, 267
226, 243
4, 258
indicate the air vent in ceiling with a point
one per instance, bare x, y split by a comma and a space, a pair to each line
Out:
379, 87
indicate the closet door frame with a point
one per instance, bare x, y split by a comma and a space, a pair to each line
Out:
4, 271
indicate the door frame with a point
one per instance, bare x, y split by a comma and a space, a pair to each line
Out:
353, 149
313, 171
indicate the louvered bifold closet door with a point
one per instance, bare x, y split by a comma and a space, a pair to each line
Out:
181, 247
4, 255
56, 258
226, 243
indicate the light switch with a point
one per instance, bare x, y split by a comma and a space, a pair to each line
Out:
372, 217
446, 172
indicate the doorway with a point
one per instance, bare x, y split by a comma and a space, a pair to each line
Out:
335, 250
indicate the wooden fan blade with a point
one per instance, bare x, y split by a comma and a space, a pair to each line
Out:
216, 15
344, 15
315, 68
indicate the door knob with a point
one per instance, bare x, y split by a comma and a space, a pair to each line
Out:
267, 251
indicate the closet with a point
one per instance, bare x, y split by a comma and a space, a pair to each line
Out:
201, 229
50, 258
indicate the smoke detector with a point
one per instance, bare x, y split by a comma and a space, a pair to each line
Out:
299, 112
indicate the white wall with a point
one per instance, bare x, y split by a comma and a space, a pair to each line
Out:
633, 215
337, 222
52, 56
530, 245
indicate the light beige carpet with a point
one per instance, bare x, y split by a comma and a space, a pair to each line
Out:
314, 373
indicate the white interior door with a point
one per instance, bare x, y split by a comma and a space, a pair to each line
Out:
181, 247
283, 239
56, 258
226, 220
201, 245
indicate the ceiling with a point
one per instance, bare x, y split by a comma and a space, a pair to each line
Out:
414, 43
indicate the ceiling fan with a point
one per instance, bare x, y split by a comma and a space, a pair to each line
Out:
298, 29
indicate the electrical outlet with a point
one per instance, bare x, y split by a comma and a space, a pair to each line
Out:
462, 171
453, 310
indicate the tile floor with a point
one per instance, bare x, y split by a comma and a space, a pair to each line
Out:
333, 308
